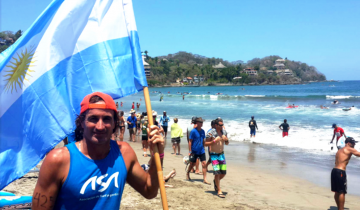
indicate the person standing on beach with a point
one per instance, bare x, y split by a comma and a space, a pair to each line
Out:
131, 121
188, 130
91, 173
122, 125
338, 132
338, 174
176, 134
133, 105
285, 128
196, 146
144, 137
207, 133
164, 122
216, 138
252, 125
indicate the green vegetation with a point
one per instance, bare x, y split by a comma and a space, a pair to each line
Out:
7, 38
166, 69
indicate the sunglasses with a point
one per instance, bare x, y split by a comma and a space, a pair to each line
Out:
220, 125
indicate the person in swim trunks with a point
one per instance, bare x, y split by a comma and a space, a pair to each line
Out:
338, 174
285, 128
252, 126
217, 138
144, 137
338, 132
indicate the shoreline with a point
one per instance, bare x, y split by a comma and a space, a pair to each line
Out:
232, 84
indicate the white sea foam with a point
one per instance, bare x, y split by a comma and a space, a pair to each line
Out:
300, 136
340, 97
255, 96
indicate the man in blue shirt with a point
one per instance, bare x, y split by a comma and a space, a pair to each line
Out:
131, 121
164, 122
196, 148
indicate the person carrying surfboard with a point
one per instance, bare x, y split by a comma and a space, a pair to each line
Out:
338, 132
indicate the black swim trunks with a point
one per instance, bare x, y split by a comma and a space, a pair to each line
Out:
175, 140
193, 157
338, 181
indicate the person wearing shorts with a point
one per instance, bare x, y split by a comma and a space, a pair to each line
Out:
252, 126
338, 132
131, 121
196, 148
144, 136
122, 125
217, 138
176, 134
285, 128
164, 122
338, 173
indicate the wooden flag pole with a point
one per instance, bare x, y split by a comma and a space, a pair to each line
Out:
156, 151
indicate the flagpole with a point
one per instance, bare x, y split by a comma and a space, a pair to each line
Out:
156, 151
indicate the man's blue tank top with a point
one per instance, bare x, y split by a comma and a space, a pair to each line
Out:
93, 184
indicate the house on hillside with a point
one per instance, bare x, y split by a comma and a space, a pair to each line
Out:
219, 66
190, 80
279, 64
250, 71
280, 68
147, 67
284, 72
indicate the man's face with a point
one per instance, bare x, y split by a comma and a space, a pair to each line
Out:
199, 124
220, 125
133, 114
351, 145
164, 113
98, 125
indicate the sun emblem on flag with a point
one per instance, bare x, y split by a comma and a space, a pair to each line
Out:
19, 69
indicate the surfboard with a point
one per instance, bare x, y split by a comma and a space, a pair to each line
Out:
291, 107
346, 109
15, 202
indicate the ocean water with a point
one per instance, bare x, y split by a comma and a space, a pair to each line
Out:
310, 126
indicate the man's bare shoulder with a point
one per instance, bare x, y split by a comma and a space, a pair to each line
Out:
125, 148
58, 156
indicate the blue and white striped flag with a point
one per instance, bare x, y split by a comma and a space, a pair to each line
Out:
74, 48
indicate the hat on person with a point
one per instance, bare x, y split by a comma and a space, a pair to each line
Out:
334, 125
154, 113
350, 140
252, 116
132, 111
164, 111
138, 115
193, 119
199, 119
109, 102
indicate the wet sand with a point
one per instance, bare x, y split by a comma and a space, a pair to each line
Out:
247, 186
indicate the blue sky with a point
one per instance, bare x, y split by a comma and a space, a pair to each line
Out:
322, 33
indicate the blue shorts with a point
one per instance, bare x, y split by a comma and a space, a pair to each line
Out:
253, 132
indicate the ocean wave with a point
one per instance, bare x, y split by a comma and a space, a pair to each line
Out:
226, 96
341, 97
255, 96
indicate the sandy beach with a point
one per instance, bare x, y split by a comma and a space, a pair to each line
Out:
245, 188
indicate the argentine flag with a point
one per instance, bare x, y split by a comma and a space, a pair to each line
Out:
74, 48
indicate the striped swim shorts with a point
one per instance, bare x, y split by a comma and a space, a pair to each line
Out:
218, 162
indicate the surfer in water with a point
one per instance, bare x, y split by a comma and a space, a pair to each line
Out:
338, 132
338, 174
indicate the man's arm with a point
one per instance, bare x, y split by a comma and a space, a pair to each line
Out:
289, 128
354, 152
280, 127
146, 184
52, 175
190, 141
332, 139
256, 126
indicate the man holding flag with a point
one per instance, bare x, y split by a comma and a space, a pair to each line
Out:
74, 48
91, 173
